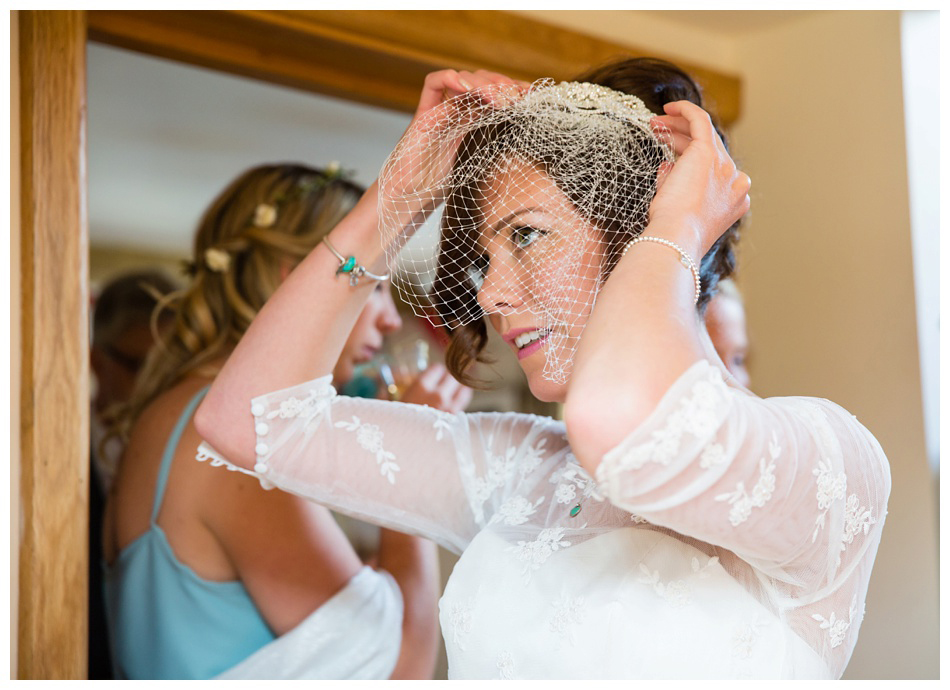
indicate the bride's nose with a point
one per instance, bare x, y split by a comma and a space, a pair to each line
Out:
503, 288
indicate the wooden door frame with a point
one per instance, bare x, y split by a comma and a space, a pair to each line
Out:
54, 349
376, 57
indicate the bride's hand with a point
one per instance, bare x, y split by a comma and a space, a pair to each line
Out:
448, 83
703, 193
411, 180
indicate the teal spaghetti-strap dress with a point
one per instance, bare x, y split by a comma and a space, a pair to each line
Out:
165, 621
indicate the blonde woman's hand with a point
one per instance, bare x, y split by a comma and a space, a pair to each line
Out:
437, 388
703, 193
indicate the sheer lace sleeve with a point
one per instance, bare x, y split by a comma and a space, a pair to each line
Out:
795, 486
408, 467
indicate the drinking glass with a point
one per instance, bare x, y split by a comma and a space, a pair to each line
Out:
400, 365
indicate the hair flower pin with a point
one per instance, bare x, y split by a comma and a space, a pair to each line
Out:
217, 260
265, 215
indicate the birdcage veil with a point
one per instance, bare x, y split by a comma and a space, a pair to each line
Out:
519, 203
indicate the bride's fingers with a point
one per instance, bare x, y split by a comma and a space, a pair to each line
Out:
448, 83
670, 123
494, 88
500, 91
662, 173
437, 87
676, 141
483, 77
701, 127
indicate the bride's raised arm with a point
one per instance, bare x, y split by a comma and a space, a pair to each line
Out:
794, 485
645, 330
299, 333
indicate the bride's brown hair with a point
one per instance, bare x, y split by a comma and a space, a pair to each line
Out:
655, 82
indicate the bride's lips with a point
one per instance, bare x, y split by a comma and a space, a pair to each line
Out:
530, 348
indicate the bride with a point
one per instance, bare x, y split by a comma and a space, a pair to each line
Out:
674, 525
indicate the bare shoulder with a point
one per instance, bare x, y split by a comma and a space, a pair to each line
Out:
133, 496
275, 542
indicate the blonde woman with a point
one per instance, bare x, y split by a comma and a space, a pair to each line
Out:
207, 574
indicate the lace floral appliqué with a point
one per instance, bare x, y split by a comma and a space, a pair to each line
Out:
571, 478
713, 454
294, 407
567, 615
506, 666
461, 618
370, 438
500, 469
698, 414
675, 592
533, 457
742, 503
744, 637
533, 554
838, 627
516, 511
442, 423
857, 519
831, 487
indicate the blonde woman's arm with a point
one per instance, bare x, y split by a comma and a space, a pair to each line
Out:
414, 563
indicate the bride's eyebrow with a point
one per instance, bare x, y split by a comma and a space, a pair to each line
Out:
511, 216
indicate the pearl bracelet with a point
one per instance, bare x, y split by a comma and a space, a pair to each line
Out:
349, 266
685, 258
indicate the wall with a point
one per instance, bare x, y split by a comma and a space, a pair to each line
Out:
106, 262
830, 242
826, 266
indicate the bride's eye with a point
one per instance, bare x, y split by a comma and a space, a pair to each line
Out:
524, 236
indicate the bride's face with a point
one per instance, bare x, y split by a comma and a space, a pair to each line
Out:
542, 266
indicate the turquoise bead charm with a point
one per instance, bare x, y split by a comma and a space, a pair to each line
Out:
575, 510
352, 269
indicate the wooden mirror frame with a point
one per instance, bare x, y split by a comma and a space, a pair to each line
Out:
376, 57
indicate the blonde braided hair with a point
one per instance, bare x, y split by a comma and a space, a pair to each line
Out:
258, 229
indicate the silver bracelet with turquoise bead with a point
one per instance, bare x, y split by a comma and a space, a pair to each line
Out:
350, 267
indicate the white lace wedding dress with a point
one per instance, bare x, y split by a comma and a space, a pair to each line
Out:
727, 537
